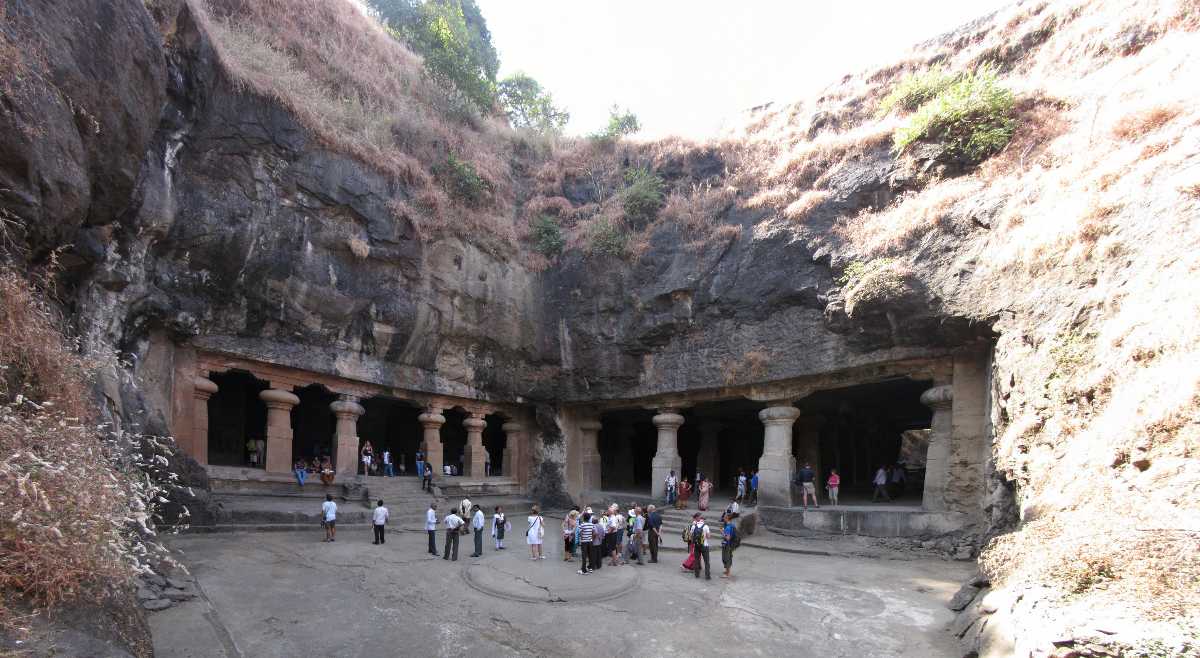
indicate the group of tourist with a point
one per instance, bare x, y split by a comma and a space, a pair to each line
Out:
679, 491
457, 524
322, 468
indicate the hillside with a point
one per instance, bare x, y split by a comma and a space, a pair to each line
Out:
278, 180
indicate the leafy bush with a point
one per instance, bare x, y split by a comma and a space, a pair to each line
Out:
463, 182
530, 106
547, 236
621, 123
642, 196
972, 118
916, 89
607, 238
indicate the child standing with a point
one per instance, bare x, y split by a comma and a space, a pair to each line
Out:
498, 527
832, 485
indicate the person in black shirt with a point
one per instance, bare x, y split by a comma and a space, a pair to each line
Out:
805, 478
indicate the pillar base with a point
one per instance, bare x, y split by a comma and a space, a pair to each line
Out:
775, 485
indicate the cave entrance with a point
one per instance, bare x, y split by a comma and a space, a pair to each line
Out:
313, 424
454, 440
857, 429
720, 438
494, 442
236, 416
391, 424
627, 442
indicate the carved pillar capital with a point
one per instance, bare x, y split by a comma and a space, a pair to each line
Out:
782, 415
432, 418
277, 398
938, 397
668, 418
347, 406
204, 388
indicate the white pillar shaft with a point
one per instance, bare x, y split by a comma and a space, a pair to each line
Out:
345, 437
777, 464
279, 429
474, 453
431, 438
667, 458
937, 459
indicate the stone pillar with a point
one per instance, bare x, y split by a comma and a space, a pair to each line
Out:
474, 457
708, 459
345, 437
198, 447
776, 466
514, 451
589, 455
431, 437
666, 459
279, 428
937, 459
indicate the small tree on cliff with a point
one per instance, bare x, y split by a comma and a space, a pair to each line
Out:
530, 106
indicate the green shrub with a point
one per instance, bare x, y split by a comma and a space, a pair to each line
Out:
607, 238
642, 196
530, 106
972, 117
547, 236
916, 89
462, 182
621, 123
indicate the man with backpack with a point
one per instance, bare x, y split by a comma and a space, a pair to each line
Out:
700, 535
729, 542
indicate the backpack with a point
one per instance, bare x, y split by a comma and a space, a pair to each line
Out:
697, 534
735, 539
687, 535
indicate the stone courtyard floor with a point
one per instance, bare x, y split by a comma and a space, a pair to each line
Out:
290, 594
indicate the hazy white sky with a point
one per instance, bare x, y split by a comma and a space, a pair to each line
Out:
687, 67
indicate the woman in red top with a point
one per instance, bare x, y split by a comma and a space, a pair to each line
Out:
832, 486
684, 491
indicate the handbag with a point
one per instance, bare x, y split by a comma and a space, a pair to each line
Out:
541, 528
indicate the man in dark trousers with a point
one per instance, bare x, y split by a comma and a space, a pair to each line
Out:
700, 537
431, 521
453, 523
654, 530
477, 528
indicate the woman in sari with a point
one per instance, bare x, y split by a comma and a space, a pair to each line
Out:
705, 488
685, 490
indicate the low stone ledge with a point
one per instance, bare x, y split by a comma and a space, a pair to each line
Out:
869, 523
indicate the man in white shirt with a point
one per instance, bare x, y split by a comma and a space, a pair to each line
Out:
431, 528
329, 517
672, 483
453, 523
700, 534
477, 527
880, 483
378, 520
387, 463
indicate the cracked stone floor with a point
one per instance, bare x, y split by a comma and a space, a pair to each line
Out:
290, 594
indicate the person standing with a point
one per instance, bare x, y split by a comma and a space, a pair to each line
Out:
704, 487
880, 482
487, 464
672, 488
805, 477
741, 486
535, 533
638, 541
420, 457
754, 487
431, 528
453, 523
728, 533
464, 508
832, 486
700, 536
379, 521
598, 538
568, 534
653, 531
498, 523
388, 470
329, 517
477, 526
685, 491
427, 477
586, 534
300, 470
327, 472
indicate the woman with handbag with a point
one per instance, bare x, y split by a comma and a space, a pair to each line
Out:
568, 531
534, 533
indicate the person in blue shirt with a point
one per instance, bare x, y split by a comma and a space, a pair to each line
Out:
754, 487
728, 530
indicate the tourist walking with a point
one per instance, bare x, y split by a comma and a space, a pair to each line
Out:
477, 524
329, 517
535, 533
880, 482
754, 487
704, 488
700, 536
685, 492
741, 486
379, 519
585, 535
427, 478
454, 524
672, 485
598, 538
420, 459
806, 477
499, 525
464, 508
431, 527
728, 543
568, 534
653, 531
831, 486
300, 470
388, 470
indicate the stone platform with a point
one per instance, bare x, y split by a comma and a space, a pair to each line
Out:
883, 520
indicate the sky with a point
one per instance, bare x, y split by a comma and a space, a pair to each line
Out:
691, 67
